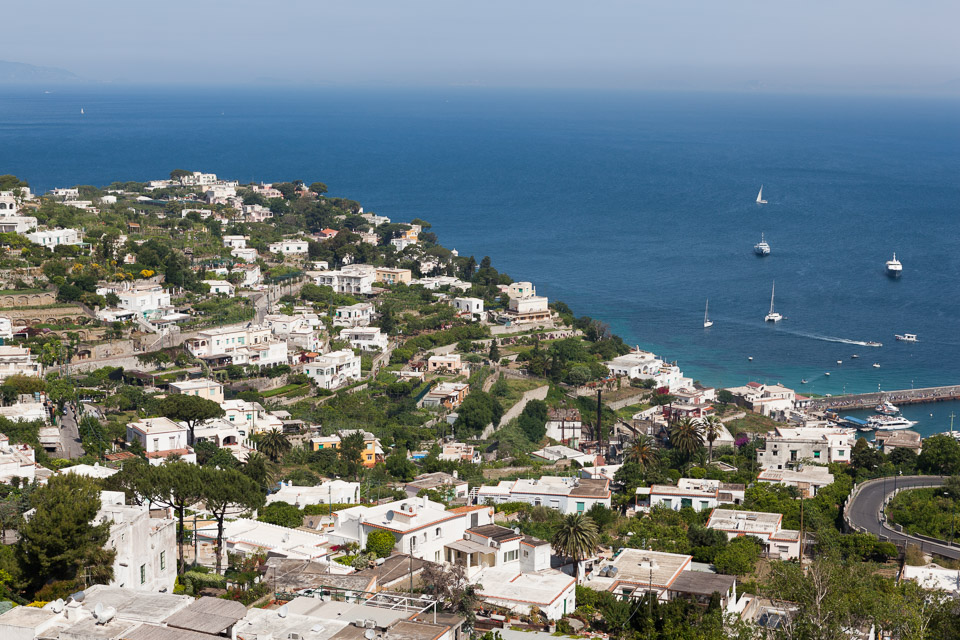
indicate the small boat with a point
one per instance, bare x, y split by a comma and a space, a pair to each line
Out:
761, 248
873, 344
772, 316
750, 358
804, 381
894, 268
81, 110
707, 322
839, 361
854, 356
887, 408
876, 365
826, 373
906, 337
760, 199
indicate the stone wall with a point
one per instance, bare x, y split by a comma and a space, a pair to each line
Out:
11, 300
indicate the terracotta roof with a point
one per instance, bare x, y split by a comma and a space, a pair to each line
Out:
476, 507
121, 455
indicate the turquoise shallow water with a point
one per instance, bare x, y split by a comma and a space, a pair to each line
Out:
633, 208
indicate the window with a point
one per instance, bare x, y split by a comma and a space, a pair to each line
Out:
163, 560
704, 505
580, 508
510, 556
840, 453
369, 457
143, 574
667, 502
816, 454
437, 532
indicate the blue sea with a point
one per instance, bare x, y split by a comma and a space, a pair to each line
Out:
630, 207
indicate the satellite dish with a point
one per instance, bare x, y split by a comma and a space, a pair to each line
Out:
98, 610
57, 605
78, 596
282, 611
369, 634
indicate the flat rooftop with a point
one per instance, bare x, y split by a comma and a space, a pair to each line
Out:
701, 583
640, 567
744, 521
540, 588
495, 532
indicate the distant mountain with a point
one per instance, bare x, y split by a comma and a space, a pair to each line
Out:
20, 73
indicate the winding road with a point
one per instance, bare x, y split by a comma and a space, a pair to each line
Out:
863, 512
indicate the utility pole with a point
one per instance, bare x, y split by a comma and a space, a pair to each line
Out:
599, 426
801, 530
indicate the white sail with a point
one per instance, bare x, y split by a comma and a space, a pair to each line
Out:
760, 199
772, 291
707, 322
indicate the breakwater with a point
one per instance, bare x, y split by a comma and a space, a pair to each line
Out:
900, 397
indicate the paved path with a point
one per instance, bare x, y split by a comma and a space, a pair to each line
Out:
864, 512
540, 393
70, 434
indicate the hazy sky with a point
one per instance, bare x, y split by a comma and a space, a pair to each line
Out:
788, 44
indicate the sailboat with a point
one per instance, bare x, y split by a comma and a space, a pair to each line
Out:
81, 110
773, 316
707, 322
760, 199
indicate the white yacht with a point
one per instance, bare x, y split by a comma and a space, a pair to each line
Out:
894, 268
876, 365
887, 408
889, 423
707, 322
772, 316
906, 337
761, 248
760, 199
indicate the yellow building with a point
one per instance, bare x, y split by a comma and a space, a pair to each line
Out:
388, 275
372, 450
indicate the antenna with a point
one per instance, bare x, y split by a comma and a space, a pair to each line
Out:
282, 611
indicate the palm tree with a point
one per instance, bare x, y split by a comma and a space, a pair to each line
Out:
686, 436
576, 538
712, 428
642, 451
273, 444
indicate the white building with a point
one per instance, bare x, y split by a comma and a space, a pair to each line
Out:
356, 315
243, 344
786, 447
218, 287
933, 577
643, 365
567, 495
198, 178
16, 461
469, 306
446, 363
250, 537
374, 219
25, 412
54, 237
356, 279
251, 273
529, 309
249, 417
808, 478
335, 369
289, 247
248, 255
779, 542
18, 361
558, 452
10, 221
202, 387
402, 243
771, 400
160, 439
422, 527
438, 282
146, 547
330, 492
698, 494
365, 338
65, 193
146, 299
518, 290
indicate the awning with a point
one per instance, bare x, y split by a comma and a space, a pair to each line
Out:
469, 546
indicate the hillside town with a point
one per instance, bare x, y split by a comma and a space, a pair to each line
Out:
257, 411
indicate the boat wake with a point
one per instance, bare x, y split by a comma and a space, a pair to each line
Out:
816, 336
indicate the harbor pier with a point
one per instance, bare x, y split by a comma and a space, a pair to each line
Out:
852, 401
